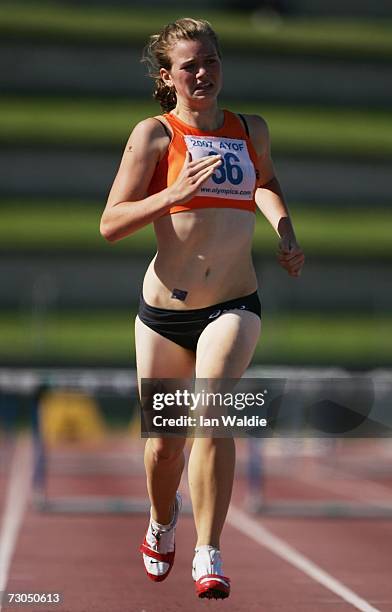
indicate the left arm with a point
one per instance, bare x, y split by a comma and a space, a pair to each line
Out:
270, 199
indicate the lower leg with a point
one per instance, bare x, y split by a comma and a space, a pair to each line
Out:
211, 474
164, 466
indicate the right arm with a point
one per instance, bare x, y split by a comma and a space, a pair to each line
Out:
129, 208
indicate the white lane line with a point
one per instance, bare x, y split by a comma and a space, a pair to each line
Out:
17, 495
260, 534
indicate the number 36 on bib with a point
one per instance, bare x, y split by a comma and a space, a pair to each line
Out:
235, 178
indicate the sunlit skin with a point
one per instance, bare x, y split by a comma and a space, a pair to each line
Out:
190, 244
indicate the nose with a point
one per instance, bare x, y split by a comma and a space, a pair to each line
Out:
201, 71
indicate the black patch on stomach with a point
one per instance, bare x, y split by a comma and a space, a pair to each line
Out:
207, 272
179, 294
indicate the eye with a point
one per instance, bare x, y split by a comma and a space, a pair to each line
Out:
189, 67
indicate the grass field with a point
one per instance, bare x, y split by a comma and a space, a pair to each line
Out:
107, 123
350, 38
72, 226
107, 338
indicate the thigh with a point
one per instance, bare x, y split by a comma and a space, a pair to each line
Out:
159, 357
226, 345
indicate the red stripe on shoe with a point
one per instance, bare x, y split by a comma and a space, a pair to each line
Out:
150, 552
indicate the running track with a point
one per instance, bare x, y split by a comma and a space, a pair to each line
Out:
276, 564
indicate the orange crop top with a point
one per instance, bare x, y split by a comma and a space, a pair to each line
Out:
232, 184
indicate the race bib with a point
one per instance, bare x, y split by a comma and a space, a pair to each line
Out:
235, 178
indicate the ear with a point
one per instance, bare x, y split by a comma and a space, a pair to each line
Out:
166, 78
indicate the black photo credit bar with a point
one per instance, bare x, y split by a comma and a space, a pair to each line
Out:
265, 407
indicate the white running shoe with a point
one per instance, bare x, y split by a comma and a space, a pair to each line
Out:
208, 574
159, 547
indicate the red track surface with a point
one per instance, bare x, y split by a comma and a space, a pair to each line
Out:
94, 560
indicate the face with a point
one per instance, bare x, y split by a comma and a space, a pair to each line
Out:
196, 71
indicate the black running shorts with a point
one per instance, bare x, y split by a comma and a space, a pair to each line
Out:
184, 327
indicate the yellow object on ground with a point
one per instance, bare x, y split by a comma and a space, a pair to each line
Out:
68, 416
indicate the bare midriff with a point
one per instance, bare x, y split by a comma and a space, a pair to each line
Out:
205, 253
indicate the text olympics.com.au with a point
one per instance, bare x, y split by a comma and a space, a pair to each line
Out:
202, 399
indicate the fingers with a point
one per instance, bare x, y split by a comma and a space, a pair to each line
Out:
204, 162
207, 158
288, 250
192, 175
293, 271
291, 258
294, 266
204, 171
204, 174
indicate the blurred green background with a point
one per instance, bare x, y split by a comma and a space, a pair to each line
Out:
73, 89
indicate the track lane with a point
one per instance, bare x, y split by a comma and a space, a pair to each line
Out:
94, 560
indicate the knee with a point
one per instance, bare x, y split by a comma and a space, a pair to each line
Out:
166, 450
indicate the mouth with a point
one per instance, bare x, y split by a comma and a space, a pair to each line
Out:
203, 87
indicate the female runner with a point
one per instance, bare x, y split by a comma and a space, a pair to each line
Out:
197, 172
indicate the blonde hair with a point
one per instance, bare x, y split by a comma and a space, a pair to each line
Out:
156, 53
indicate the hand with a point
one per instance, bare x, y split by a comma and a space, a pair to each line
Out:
192, 175
290, 256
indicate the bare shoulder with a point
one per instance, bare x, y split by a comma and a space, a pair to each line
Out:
151, 126
258, 132
145, 147
147, 136
258, 124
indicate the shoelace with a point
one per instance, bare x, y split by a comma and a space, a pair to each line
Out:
156, 542
156, 533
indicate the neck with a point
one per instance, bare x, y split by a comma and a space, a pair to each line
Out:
209, 118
